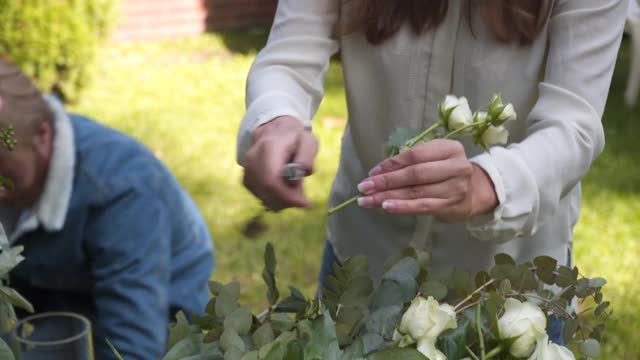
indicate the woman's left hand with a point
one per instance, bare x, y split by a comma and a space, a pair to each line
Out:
433, 178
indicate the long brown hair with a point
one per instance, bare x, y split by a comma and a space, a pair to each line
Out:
519, 21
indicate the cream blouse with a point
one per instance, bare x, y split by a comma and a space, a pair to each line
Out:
558, 85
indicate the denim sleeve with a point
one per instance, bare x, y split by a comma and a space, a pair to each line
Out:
129, 245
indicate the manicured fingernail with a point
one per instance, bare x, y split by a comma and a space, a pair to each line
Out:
388, 205
366, 186
365, 201
375, 171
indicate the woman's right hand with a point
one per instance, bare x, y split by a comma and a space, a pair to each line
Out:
276, 143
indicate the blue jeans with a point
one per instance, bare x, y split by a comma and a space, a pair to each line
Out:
554, 328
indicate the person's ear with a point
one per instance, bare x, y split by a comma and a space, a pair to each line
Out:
42, 140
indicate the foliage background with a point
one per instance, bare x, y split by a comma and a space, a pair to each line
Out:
55, 41
185, 100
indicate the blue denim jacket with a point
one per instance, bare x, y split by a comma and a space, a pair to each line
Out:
133, 249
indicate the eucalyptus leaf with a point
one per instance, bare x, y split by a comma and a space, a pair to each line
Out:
389, 293
178, 331
383, 320
569, 329
295, 303
323, 344
434, 289
372, 343
504, 259
590, 348
545, 264
597, 282
601, 308
227, 301
215, 287
269, 273
462, 283
566, 276
230, 339
263, 335
186, 347
239, 320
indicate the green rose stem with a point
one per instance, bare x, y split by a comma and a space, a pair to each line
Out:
483, 356
409, 144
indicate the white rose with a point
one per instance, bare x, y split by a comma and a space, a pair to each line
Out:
481, 116
507, 114
495, 135
546, 350
427, 347
425, 318
461, 115
524, 321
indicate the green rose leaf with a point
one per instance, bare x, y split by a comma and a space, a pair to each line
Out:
9, 259
397, 353
5, 351
453, 342
14, 298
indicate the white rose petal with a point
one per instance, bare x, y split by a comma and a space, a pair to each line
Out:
427, 347
507, 114
495, 135
425, 318
481, 116
461, 115
524, 321
549, 351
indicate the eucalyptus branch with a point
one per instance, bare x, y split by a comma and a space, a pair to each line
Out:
266, 312
484, 286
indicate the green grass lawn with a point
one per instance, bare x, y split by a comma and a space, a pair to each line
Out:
185, 99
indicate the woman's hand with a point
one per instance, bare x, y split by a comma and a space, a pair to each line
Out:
433, 178
275, 144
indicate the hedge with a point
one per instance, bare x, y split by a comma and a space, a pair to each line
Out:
55, 41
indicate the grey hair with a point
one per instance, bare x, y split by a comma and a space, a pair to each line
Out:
21, 103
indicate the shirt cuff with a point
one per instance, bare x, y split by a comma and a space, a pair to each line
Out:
261, 111
513, 213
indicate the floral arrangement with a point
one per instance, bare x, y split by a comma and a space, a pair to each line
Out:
411, 313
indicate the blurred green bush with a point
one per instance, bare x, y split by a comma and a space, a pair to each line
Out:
55, 41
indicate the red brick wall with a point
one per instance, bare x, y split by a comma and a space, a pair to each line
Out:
162, 19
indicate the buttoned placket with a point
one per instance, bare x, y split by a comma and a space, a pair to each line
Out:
438, 77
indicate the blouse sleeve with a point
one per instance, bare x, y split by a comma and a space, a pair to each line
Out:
288, 74
565, 132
